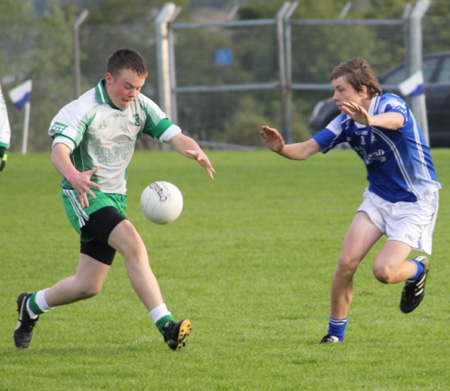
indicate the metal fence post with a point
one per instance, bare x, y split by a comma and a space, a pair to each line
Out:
163, 57
287, 114
76, 51
414, 62
285, 89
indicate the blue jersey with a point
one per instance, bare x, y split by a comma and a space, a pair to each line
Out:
398, 162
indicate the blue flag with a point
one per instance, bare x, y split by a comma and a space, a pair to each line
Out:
21, 94
413, 85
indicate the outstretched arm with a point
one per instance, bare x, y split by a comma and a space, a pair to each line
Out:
298, 151
188, 147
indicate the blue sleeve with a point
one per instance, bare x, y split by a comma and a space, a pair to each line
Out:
332, 135
391, 103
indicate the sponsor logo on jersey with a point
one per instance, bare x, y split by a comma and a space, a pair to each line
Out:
115, 154
58, 127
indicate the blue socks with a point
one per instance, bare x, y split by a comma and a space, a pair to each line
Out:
337, 327
419, 270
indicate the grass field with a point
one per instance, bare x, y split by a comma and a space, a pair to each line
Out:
249, 261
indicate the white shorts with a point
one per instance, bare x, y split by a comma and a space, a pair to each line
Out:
408, 222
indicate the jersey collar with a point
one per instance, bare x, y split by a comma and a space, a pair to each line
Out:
374, 104
373, 107
102, 96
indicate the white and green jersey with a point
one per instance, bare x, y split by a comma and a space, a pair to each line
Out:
5, 129
101, 135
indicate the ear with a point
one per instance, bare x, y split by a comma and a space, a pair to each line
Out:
363, 91
109, 78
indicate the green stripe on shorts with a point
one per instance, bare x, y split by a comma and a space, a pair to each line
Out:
78, 216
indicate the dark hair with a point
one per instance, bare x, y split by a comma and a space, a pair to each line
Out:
126, 59
358, 73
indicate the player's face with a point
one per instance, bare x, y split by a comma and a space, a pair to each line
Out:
344, 92
123, 89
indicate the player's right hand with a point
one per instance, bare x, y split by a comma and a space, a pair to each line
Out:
82, 184
272, 138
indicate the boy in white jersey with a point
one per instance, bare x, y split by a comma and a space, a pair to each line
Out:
5, 131
401, 201
93, 142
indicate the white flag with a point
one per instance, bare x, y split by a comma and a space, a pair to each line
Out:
21, 94
413, 85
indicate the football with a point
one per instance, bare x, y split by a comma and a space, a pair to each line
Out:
161, 202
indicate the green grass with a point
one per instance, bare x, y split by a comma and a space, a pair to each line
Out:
249, 261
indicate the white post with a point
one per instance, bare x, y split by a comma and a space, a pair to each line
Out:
163, 57
285, 90
26, 123
76, 51
418, 103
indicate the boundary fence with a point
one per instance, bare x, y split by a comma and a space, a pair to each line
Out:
282, 24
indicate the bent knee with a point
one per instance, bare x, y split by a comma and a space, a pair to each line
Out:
86, 292
383, 274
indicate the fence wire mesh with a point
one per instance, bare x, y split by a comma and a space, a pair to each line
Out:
212, 56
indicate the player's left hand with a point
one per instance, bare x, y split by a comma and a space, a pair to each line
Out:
203, 160
356, 112
3, 158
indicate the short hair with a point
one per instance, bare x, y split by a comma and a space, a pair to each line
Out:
358, 73
126, 59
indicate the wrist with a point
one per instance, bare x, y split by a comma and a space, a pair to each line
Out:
70, 177
280, 150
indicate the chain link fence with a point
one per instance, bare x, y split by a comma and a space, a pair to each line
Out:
234, 67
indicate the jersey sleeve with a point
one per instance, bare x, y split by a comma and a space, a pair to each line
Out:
394, 104
332, 135
157, 125
70, 124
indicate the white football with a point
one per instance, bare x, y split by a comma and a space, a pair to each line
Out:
161, 202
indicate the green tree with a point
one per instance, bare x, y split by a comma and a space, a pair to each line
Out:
52, 71
16, 33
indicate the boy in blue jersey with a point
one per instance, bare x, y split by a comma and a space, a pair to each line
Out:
93, 141
401, 200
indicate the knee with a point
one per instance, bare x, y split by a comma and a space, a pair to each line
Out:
127, 241
87, 291
347, 265
382, 274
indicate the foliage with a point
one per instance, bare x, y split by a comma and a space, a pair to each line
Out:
52, 71
14, 14
435, 26
242, 130
47, 61
37, 42
14, 61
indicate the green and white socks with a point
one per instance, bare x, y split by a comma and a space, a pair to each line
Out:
37, 304
161, 316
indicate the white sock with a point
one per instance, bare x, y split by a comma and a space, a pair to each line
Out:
41, 302
159, 312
